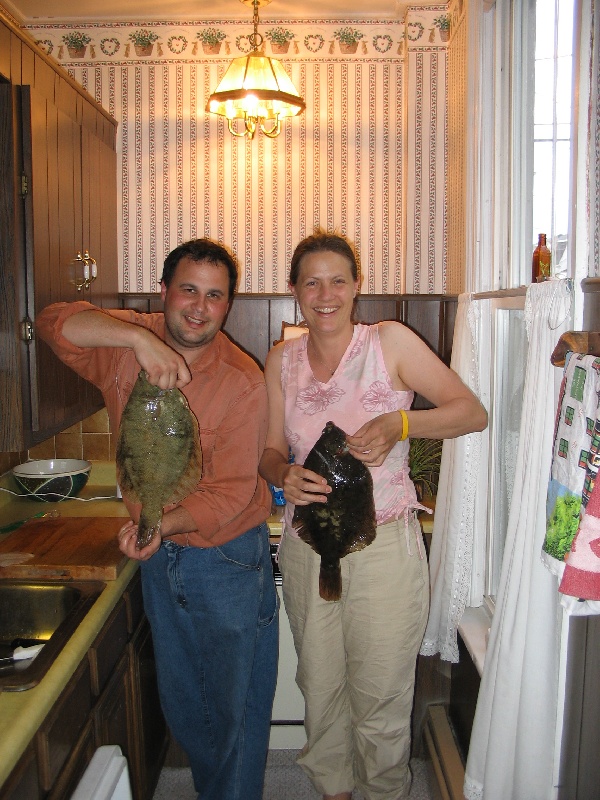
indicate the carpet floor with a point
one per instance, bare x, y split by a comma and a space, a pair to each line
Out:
284, 780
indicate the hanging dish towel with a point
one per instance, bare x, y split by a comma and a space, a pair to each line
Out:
576, 456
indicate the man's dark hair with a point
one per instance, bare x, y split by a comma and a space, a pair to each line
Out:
201, 250
322, 241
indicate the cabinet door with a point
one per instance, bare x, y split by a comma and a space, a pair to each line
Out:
52, 161
99, 193
12, 308
150, 727
69, 208
23, 782
112, 713
60, 731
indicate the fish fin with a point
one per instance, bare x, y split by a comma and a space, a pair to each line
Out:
330, 581
363, 539
304, 533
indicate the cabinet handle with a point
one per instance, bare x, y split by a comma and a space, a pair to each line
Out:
90, 270
27, 330
93, 266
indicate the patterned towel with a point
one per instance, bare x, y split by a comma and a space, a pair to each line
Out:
581, 576
575, 557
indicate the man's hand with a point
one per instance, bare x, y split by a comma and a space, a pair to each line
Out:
128, 543
164, 367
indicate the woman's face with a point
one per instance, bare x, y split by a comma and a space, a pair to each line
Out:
325, 290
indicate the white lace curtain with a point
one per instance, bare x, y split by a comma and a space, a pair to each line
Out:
461, 505
512, 750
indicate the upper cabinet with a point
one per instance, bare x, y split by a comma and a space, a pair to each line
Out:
59, 233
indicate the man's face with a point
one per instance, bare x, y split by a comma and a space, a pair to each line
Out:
195, 305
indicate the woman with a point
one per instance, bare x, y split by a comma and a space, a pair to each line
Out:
356, 656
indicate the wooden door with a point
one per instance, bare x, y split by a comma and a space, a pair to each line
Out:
53, 224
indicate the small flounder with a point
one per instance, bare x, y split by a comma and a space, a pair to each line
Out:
346, 522
159, 459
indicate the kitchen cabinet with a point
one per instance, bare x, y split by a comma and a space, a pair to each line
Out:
58, 206
112, 698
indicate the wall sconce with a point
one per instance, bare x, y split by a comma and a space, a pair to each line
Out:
255, 89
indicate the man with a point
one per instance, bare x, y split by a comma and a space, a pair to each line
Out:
208, 585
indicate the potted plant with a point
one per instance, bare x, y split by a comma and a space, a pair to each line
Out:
424, 458
143, 41
211, 39
76, 43
280, 39
348, 39
443, 24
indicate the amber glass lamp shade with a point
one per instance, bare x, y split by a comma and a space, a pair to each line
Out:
257, 90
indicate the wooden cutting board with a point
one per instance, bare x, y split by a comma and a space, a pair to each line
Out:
82, 548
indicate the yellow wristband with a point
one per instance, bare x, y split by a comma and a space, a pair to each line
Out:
404, 425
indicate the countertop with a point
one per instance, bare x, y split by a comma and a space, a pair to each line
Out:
97, 498
22, 713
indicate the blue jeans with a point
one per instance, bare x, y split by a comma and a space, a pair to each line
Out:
213, 614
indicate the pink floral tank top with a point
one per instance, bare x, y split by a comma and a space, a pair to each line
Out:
359, 390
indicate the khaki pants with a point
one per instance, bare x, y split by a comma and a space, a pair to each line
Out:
356, 659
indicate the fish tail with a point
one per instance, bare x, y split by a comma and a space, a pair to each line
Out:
147, 530
330, 581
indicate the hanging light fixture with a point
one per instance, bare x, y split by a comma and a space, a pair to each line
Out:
255, 89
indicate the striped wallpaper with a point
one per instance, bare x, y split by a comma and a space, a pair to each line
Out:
366, 158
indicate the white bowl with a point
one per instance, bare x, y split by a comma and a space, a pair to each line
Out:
52, 480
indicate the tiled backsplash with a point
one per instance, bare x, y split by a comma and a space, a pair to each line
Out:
90, 439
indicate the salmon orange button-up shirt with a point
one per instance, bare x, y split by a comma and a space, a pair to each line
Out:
228, 396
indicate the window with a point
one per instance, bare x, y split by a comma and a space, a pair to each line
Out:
509, 347
552, 127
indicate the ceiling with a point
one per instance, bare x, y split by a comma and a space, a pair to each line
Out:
31, 12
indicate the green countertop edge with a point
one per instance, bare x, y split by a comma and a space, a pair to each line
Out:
22, 713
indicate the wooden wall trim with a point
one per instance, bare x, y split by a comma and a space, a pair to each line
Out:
9, 22
255, 320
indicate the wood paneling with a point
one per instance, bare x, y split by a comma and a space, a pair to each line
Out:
255, 320
64, 142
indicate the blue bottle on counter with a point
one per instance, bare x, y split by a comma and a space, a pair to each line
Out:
277, 493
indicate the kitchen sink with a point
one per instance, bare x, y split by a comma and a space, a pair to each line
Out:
39, 612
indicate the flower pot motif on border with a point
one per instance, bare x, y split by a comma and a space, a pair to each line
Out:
144, 50
211, 49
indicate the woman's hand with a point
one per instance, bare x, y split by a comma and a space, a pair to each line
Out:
372, 443
302, 486
128, 540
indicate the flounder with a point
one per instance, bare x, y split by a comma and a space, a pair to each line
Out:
346, 522
159, 458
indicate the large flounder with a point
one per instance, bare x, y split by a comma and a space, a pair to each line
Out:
345, 523
159, 459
